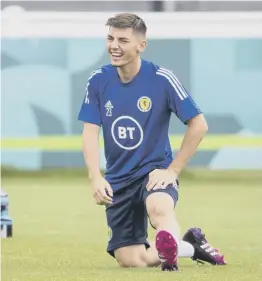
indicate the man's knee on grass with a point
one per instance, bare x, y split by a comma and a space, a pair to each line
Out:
131, 256
160, 207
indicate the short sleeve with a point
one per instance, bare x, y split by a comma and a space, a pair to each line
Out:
89, 111
179, 100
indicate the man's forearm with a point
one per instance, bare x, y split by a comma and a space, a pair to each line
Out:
194, 134
91, 153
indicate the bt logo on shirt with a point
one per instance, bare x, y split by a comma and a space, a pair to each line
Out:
127, 133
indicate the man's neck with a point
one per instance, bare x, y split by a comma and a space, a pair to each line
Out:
129, 71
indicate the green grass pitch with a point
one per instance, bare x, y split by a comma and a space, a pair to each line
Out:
60, 235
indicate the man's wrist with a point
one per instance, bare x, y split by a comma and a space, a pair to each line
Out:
174, 170
95, 176
179, 163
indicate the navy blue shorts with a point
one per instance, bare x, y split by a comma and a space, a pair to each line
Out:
127, 218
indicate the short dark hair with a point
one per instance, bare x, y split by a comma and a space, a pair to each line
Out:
127, 20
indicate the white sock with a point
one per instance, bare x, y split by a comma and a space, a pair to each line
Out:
185, 249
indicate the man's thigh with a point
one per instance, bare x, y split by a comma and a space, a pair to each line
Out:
127, 220
131, 256
171, 189
156, 203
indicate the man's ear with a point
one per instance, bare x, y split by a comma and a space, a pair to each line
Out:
142, 46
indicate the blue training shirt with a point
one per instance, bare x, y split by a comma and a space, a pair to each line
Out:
135, 118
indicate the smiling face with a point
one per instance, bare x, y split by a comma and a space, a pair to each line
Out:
126, 38
124, 45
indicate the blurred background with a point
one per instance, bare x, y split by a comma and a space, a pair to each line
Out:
48, 49
137, 6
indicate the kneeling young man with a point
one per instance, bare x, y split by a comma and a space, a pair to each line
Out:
132, 100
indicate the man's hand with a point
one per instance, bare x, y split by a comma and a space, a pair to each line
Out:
102, 191
160, 179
